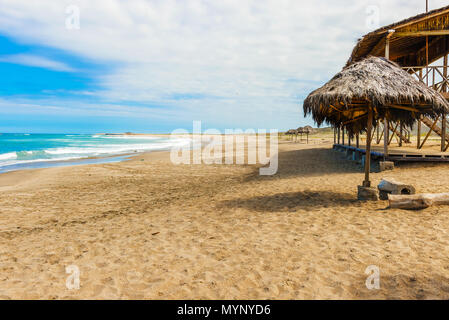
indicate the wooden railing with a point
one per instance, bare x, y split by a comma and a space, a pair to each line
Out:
435, 77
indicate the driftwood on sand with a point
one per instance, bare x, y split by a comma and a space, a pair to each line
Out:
418, 201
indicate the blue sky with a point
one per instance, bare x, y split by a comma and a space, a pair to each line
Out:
155, 66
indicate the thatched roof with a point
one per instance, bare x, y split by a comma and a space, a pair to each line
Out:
376, 82
306, 129
406, 47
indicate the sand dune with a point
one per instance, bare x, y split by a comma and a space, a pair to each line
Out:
148, 229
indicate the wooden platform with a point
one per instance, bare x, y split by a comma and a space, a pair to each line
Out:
395, 156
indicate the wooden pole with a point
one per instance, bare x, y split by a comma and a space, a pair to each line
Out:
386, 134
387, 47
427, 49
343, 135
377, 131
358, 141
367, 182
339, 133
418, 138
401, 133
443, 116
443, 131
386, 129
335, 135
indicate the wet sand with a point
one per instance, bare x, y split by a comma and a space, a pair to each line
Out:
148, 229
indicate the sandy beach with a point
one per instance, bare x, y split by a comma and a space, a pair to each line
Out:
149, 229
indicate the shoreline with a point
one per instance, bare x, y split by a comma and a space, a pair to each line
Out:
114, 156
111, 158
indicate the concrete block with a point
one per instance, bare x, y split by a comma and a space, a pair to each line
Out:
386, 165
367, 193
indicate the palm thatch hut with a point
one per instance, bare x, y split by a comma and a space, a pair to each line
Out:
369, 90
292, 132
375, 84
303, 130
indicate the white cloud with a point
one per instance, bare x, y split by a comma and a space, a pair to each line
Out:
245, 62
36, 61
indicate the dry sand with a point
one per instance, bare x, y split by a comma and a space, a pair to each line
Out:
148, 229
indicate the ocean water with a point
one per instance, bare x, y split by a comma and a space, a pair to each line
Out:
24, 151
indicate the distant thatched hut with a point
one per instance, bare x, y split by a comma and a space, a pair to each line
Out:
309, 129
292, 132
369, 90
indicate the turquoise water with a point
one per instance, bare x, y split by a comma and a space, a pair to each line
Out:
22, 151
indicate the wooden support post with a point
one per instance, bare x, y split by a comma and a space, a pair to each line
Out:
339, 133
387, 47
443, 120
349, 140
377, 132
343, 135
418, 134
401, 133
358, 141
367, 182
386, 131
443, 131
335, 135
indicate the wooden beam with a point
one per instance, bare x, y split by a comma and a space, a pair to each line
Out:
386, 130
416, 21
443, 131
367, 182
377, 131
335, 135
378, 48
421, 33
443, 121
380, 137
428, 133
392, 135
355, 119
418, 135
387, 45
407, 108
339, 133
